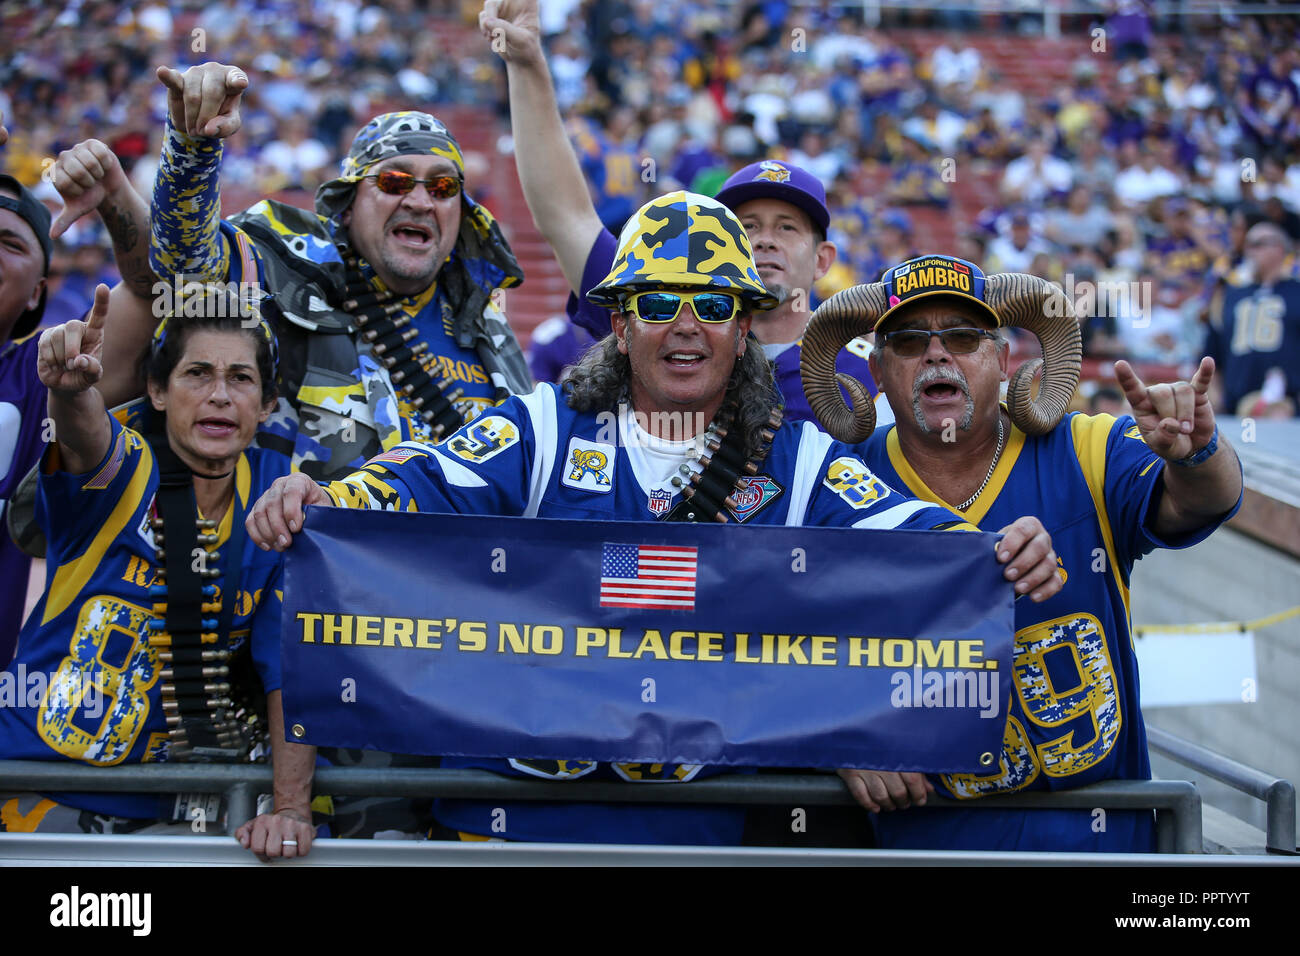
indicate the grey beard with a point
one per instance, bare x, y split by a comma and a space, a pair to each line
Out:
941, 373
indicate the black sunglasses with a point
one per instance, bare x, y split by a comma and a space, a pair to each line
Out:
910, 343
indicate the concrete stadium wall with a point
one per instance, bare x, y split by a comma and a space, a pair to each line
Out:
1231, 577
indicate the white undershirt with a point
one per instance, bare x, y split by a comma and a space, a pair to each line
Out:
654, 460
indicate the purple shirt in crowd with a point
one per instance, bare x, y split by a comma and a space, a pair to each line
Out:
556, 346
22, 411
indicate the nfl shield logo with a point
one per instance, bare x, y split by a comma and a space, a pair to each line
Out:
659, 502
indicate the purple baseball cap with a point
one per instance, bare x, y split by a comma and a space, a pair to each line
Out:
776, 179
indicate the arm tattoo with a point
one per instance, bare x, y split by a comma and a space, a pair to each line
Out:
132, 257
121, 226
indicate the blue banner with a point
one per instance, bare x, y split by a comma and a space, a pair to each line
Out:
645, 642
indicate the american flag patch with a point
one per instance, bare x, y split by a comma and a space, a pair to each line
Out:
651, 576
396, 456
111, 467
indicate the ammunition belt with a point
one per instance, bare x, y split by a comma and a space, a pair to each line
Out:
707, 488
211, 716
411, 368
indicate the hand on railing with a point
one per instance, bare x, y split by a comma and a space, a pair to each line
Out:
284, 834
885, 790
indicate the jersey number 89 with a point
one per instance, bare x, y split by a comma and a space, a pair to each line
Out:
1075, 699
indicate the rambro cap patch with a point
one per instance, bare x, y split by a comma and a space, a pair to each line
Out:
932, 275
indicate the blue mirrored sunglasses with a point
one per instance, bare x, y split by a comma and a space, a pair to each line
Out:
711, 306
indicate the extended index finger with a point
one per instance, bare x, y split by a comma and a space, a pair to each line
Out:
98, 311
226, 121
1134, 388
172, 79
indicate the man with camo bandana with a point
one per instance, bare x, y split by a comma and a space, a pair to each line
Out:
382, 299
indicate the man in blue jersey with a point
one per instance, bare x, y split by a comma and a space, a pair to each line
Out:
1109, 491
782, 207
1254, 331
24, 258
613, 444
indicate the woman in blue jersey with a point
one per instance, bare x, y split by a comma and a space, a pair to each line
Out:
138, 649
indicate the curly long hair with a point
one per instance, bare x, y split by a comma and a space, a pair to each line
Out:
601, 382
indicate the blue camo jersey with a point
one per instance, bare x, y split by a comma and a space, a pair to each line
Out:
89, 626
1074, 716
852, 359
535, 456
1253, 329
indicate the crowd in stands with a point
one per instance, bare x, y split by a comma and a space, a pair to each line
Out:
1147, 166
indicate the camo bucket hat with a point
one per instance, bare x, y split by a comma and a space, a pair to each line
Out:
687, 240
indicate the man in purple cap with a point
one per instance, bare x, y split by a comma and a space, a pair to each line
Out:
782, 207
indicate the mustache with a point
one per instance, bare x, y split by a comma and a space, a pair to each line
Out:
939, 373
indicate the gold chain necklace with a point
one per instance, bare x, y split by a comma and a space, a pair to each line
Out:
997, 455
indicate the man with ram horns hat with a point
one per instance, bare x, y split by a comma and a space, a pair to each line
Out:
1108, 490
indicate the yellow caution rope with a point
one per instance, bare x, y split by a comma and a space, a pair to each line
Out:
1221, 627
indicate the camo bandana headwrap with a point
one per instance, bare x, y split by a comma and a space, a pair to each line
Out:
406, 133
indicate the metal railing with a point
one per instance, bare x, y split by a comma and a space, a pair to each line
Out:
1278, 794
1177, 802
80, 849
